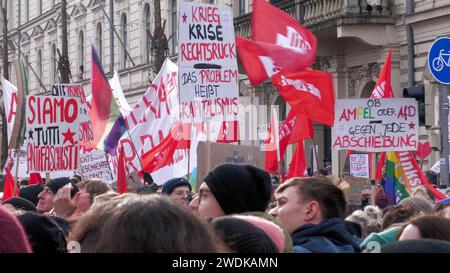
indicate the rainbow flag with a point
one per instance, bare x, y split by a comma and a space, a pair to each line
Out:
405, 178
394, 188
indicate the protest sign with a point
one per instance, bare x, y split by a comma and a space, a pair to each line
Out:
85, 129
226, 153
359, 165
150, 122
376, 125
208, 64
95, 165
10, 103
51, 129
357, 186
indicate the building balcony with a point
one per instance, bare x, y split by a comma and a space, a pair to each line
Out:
320, 14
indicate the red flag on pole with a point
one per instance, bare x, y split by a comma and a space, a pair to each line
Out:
280, 44
297, 167
383, 88
309, 92
121, 173
8, 190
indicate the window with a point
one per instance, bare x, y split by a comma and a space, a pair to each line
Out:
27, 10
99, 42
147, 29
54, 64
211, 1
125, 40
40, 7
174, 26
81, 54
241, 7
39, 65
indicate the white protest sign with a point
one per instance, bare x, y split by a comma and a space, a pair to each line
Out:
359, 165
95, 165
208, 63
85, 130
10, 102
150, 122
376, 125
51, 130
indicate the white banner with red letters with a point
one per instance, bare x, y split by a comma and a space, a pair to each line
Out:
52, 124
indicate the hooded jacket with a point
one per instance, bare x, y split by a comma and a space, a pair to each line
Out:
330, 236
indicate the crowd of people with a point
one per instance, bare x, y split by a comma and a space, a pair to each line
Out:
237, 208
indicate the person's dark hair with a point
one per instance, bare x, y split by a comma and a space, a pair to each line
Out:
134, 223
430, 227
23, 182
396, 215
94, 187
330, 198
432, 177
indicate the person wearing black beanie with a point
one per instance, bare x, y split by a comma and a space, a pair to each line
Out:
233, 188
31, 193
20, 203
44, 234
51, 188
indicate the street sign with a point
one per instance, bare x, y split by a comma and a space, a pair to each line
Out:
439, 60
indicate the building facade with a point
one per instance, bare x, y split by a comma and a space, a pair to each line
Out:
354, 37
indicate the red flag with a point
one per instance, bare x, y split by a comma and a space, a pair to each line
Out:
297, 167
383, 88
121, 173
309, 92
229, 132
8, 190
273, 153
35, 178
162, 154
380, 166
294, 129
101, 99
280, 44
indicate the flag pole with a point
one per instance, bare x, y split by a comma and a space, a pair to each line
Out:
315, 153
17, 172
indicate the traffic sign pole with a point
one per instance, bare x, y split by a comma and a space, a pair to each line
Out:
443, 123
439, 66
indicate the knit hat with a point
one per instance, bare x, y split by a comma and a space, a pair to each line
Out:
45, 235
242, 236
31, 193
21, 203
12, 235
417, 204
417, 246
385, 237
55, 184
274, 232
170, 185
239, 188
288, 247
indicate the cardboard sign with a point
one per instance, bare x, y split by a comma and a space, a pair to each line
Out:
376, 125
51, 130
95, 165
85, 129
357, 186
359, 165
226, 153
208, 63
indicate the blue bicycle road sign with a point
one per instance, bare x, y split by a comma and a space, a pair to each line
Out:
439, 60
